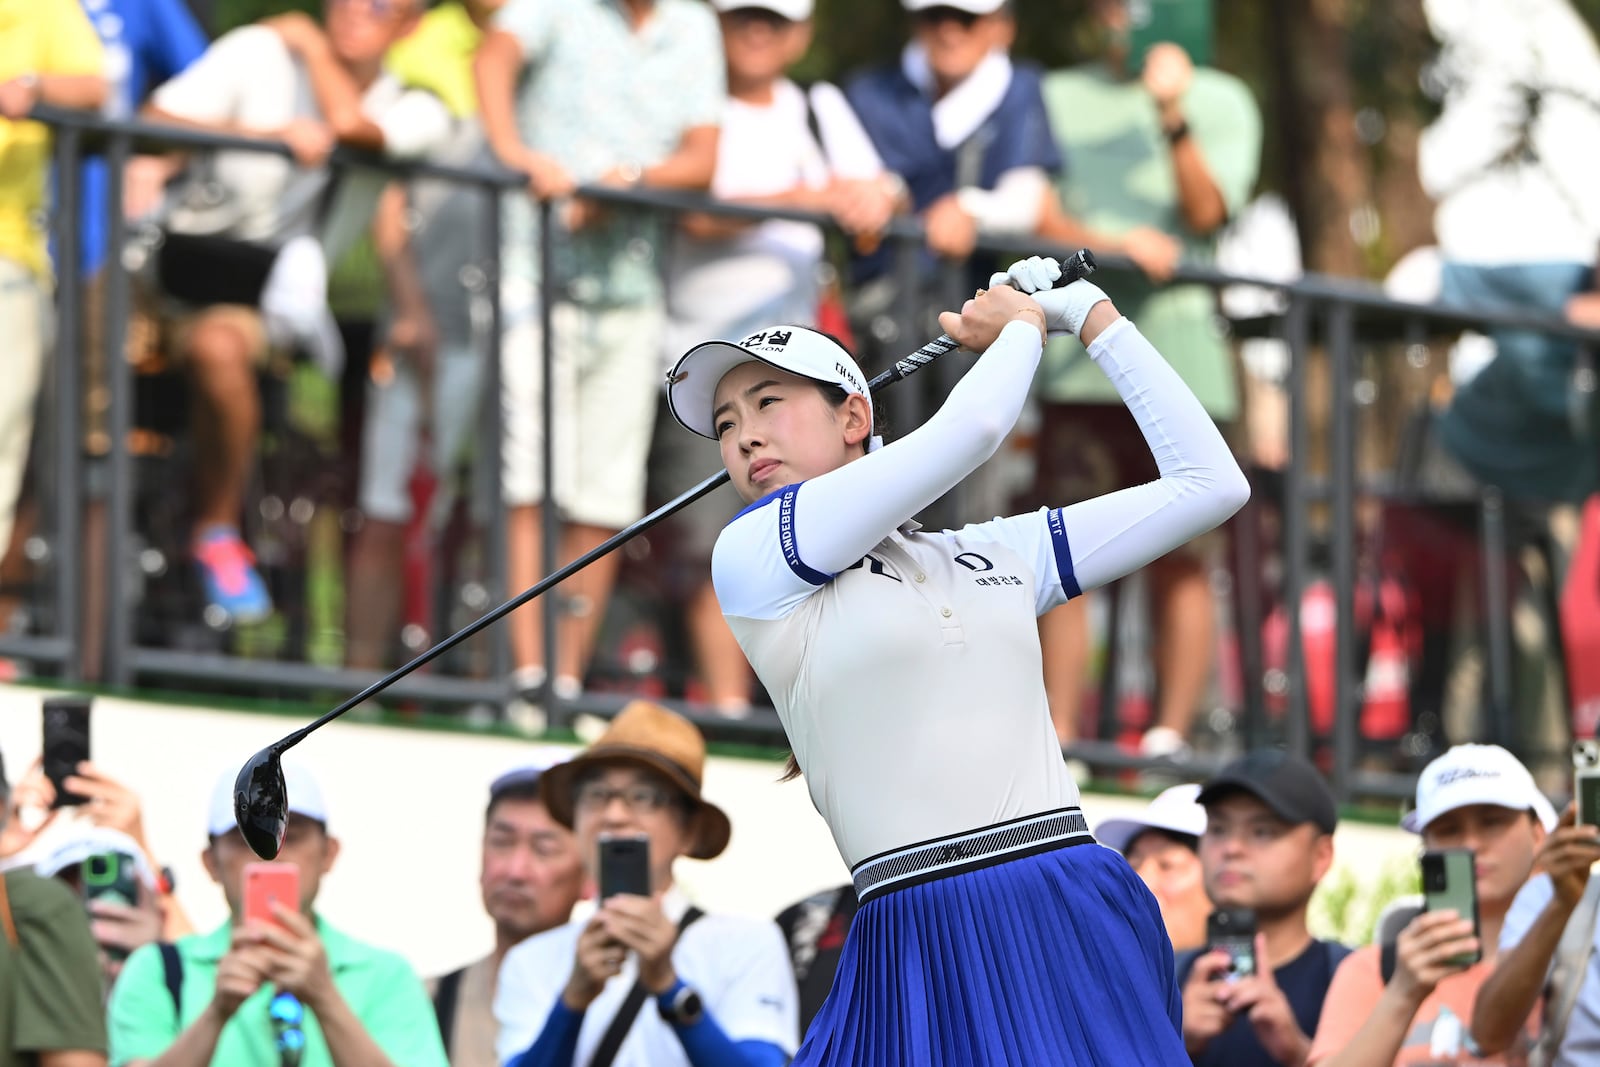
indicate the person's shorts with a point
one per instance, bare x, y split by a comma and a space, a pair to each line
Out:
679, 461
25, 323
606, 380
392, 436
1089, 450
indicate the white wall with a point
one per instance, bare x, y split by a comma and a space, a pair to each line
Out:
407, 805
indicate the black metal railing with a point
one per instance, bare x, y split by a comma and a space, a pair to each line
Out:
1333, 315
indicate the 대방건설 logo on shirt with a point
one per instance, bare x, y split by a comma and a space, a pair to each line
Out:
982, 565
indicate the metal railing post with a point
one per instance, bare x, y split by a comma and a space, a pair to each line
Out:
68, 402
1499, 726
1296, 533
549, 518
119, 637
492, 429
1342, 536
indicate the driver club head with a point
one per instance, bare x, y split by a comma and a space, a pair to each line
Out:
261, 803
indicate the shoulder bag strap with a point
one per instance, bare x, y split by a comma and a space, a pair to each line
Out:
172, 971
618, 1031
444, 1004
1567, 973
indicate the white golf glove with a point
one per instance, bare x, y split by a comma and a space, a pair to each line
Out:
1064, 308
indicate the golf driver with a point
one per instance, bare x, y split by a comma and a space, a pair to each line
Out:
260, 798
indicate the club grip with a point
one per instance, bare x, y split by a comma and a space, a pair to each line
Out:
1080, 264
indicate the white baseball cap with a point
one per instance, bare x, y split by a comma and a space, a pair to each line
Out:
1476, 774
692, 384
305, 798
974, 7
84, 840
1174, 811
793, 10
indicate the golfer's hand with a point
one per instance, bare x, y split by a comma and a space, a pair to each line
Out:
1065, 309
983, 317
1204, 1014
296, 960
1259, 998
640, 924
1566, 856
598, 960
1421, 952
240, 972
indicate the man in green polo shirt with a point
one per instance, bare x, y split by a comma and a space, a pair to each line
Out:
252, 995
1159, 152
49, 971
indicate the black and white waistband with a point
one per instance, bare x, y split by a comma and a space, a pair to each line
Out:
968, 851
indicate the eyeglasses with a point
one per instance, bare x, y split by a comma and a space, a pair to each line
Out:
288, 1017
933, 16
641, 799
381, 8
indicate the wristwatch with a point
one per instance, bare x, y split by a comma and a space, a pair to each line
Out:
630, 172
681, 1005
1178, 132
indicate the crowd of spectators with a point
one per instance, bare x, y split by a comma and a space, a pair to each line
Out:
90, 977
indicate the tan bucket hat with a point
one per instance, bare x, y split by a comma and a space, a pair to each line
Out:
665, 742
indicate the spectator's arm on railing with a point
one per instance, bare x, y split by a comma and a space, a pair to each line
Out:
412, 333
82, 91
690, 166
495, 70
338, 95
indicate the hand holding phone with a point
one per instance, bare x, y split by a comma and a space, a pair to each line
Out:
624, 865
1449, 883
1233, 930
66, 744
266, 884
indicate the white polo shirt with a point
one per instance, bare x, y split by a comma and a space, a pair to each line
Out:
739, 966
905, 665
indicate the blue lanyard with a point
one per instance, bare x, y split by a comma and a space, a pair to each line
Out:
288, 1017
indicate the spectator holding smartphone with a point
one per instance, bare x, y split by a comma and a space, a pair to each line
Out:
1478, 797
1268, 841
119, 890
1546, 958
253, 992
722, 989
49, 976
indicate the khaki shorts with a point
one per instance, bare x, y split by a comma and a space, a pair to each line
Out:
607, 378
25, 325
392, 435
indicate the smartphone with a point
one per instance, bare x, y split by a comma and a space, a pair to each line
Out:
66, 743
1234, 931
112, 876
1187, 23
266, 884
624, 865
1448, 882
1586, 781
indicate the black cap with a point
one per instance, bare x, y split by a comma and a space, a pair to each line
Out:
1286, 783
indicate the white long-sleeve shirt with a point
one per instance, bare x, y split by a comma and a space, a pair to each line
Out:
905, 664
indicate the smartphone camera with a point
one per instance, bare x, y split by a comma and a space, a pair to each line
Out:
1586, 780
1233, 930
1435, 879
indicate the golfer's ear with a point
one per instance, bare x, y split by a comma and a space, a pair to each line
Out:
857, 419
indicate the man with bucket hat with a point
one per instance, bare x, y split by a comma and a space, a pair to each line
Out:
722, 987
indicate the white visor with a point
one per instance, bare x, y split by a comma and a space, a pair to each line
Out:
692, 384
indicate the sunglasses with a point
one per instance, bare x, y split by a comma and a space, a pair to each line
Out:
934, 16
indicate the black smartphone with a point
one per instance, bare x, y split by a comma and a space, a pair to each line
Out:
624, 865
1233, 930
66, 743
1586, 781
1449, 883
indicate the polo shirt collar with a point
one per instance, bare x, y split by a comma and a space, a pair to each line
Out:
958, 114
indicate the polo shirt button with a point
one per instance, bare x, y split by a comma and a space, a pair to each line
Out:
946, 612
922, 577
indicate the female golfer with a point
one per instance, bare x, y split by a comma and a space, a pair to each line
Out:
905, 666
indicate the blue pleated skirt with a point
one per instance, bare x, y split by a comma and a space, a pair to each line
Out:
1055, 958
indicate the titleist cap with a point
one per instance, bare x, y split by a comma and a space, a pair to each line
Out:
1468, 775
692, 384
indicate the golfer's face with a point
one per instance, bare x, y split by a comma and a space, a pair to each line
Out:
775, 429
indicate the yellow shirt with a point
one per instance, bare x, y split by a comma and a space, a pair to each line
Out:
437, 56
36, 37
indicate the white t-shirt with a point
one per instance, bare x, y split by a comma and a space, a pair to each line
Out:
905, 664
1580, 1045
739, 966
248, 78
765, 274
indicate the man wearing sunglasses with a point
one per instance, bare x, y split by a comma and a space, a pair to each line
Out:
288, 992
